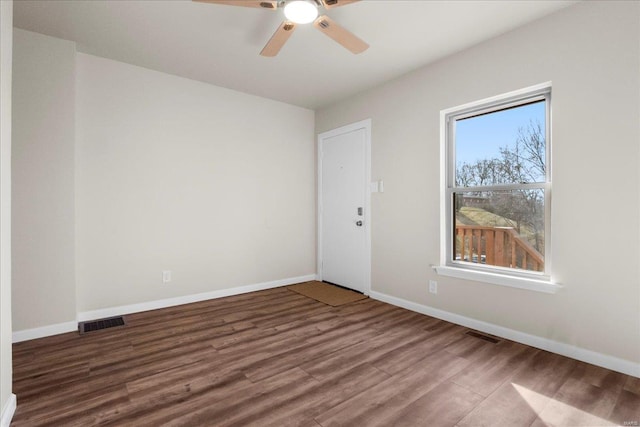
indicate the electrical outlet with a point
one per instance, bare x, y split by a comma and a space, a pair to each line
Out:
166, 276
433, 286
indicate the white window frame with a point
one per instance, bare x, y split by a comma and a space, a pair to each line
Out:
523, 279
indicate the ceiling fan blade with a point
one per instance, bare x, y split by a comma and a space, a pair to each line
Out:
328, 4
278, 39
271, 5
340, 34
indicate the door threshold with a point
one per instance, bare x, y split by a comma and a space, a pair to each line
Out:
343, 287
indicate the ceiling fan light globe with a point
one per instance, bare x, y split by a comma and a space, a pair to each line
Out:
301, 11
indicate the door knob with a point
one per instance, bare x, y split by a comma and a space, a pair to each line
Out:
359, 223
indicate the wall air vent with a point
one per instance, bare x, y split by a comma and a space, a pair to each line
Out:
96, 325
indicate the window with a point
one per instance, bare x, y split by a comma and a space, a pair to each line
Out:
498, 186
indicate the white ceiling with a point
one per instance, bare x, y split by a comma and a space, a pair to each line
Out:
220, 44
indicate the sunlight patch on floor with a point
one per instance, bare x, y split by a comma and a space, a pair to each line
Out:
556, 413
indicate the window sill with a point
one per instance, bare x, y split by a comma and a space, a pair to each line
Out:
538, 285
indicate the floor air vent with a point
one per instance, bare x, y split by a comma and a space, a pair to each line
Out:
483, 337
96, 325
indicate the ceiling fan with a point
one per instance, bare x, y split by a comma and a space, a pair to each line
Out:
299, 12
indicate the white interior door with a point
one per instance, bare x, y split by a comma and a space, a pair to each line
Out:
344, 206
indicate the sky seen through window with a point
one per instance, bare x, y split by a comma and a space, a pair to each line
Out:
481, 137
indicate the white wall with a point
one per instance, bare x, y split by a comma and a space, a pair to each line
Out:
121, 172
44, 290
6, 26
173, 174
591, 54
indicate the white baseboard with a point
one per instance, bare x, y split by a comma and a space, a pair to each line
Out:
187, 299
599, 359
60, 328
44, 331
8, 410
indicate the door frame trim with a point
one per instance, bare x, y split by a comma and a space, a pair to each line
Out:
366, 125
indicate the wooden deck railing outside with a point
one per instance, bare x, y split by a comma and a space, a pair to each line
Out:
500, 246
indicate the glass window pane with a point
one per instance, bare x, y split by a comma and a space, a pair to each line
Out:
501, 228
502, 147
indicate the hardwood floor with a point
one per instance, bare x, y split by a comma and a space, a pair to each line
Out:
277, 358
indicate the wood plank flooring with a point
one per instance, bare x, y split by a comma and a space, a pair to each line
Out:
277, 358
